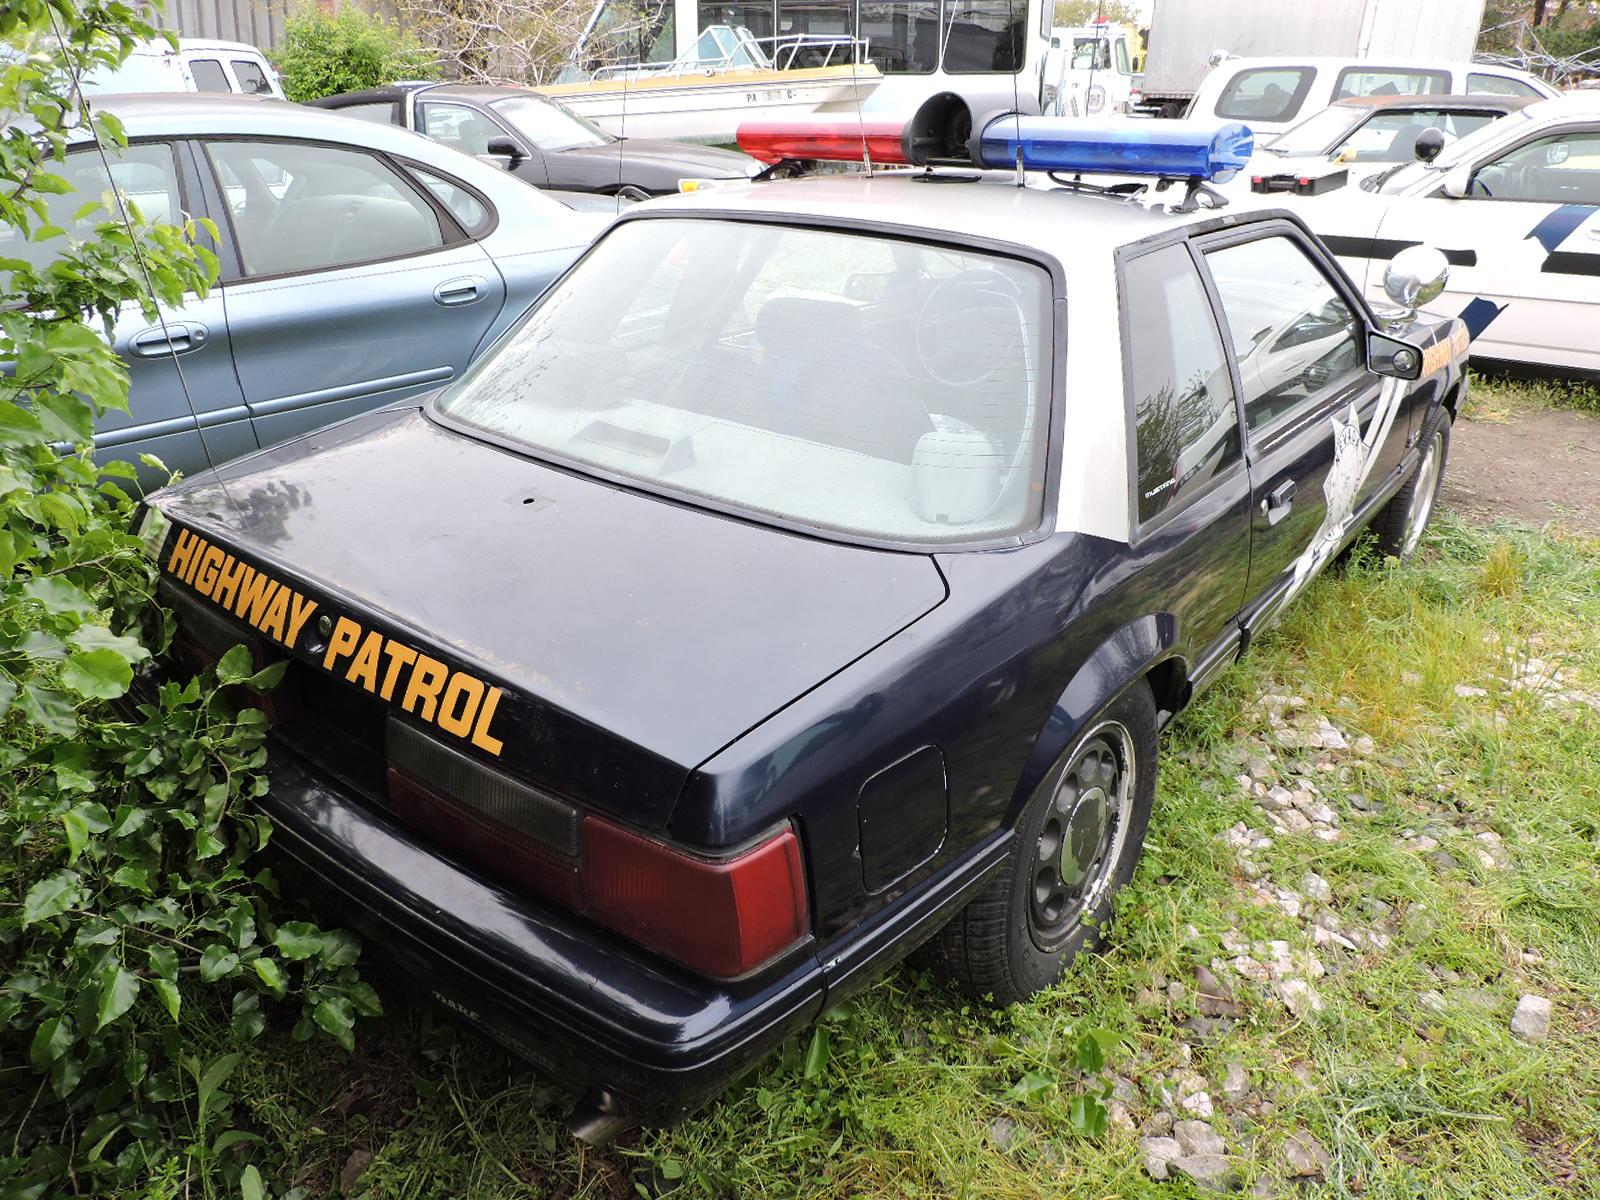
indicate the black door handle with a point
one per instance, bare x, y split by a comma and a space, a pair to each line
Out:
1278, 502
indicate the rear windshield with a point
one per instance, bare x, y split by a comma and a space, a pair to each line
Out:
865, 385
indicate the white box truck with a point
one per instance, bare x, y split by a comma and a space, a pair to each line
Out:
1186, 35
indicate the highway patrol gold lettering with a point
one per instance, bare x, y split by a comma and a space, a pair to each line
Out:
458, 702
1438, 356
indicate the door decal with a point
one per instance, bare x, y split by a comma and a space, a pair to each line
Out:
1353, 457
1556, 225
1478, 314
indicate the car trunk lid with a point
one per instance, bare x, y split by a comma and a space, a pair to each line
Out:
594, 641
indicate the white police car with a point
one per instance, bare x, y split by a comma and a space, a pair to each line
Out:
806, 578
1515, 208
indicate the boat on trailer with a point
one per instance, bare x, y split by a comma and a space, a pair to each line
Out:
695, 69
726, 77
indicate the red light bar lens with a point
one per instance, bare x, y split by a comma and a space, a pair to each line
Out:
844, 140
721, 917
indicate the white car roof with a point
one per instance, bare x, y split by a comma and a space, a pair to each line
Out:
1070, 227
1377, 62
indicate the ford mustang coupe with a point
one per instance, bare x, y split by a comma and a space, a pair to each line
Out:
806, 577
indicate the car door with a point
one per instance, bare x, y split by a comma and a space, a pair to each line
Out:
1298, 339
1191, 500
470, 130
352, 286
184, 403
1531, 213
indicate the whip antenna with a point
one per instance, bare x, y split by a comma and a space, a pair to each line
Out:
1020, 46
855, 92
127, 222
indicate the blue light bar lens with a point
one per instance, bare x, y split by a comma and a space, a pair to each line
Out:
1176, 149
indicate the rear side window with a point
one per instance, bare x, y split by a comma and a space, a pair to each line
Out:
296, 207
1380, 81
209, 75
1481, 84
381, 113
1293, 333
471, 213
1186, 425
1265, 93
252, 79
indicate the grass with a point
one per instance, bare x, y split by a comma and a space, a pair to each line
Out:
1409, 1077
1498, 397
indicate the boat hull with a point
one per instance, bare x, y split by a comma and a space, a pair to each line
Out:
708, 107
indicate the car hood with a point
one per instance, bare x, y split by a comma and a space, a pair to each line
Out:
684, 160
634, 637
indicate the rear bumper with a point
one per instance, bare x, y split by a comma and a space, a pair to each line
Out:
592, 1011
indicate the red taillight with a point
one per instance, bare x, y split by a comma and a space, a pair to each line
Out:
843, 140
719, 916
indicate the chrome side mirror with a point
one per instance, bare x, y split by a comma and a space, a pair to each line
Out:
1457, 181
1415, 277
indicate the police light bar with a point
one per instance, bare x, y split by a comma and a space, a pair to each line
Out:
1169, 149
843, 139
944, 133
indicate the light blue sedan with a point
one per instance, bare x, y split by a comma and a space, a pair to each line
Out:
361, 264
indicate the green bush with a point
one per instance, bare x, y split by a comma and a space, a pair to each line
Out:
324, 54
130, 909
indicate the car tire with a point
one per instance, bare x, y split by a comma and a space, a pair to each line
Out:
1017, 936
1399, 527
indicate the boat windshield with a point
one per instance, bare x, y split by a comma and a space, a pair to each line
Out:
551, 126
864, 385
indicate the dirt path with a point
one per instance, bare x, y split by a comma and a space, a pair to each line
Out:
1529, 465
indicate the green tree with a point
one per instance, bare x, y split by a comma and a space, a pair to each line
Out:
1086, 12
324, 54
126, 891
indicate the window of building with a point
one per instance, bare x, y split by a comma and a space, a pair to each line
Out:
902, 35
983, 36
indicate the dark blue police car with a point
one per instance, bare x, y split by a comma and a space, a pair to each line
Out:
806, 578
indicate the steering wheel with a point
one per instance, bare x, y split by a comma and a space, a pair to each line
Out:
958, 308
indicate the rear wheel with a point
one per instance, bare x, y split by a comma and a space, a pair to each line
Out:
1400, 526
1077, 843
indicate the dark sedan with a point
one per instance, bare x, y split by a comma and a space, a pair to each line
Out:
539, 139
